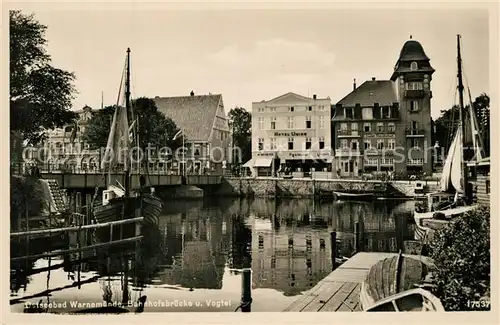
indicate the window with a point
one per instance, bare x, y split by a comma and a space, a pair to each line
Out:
414, 125
260, 109
354, 126
354, 145
308, 122
415, 143
273, 143
348, 112
290, 109
321, 142
386, 112
261, 123
290, 122
321, 122
343, 126
413, 106
371, 162
261, 144
290, 143
414, 85
273, 123
368, 144
273, 109
388, 161
418, 161
380, 144
380, 127
321, 108
343, 144
391, 127
391, 144
310, 108
308, 143
413, 66
346, 167
367, 127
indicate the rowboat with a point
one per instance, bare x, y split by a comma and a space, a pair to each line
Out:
352, 196
391, 283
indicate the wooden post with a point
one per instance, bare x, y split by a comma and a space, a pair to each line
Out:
356, 236
78, 203
246, 290
333, 243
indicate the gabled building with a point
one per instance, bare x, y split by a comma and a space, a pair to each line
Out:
291, 132
203, 120
385, 125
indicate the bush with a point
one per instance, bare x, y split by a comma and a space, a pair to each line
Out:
461, 251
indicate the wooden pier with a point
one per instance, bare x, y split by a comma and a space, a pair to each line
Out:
339, 291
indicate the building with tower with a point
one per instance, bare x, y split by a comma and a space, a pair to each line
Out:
385, 125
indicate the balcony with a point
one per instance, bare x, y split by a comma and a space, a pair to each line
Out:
414, 93
347, 133
347, 152
415, 133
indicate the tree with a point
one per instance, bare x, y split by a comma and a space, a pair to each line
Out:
482, 109
40, 94
240, 123
461, 252
154, 128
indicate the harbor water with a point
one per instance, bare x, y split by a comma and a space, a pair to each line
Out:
191, 260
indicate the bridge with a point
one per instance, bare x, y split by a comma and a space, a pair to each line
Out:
82, 179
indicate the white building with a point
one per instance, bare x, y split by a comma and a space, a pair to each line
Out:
291, 132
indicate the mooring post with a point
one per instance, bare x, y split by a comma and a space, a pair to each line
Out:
333, 243
356, 236
246, 293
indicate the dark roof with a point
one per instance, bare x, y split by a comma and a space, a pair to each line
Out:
194, 114
412, 51
370, 92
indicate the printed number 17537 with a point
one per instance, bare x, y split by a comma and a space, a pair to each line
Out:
478, 304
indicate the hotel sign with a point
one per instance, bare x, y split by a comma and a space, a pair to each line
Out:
290, 134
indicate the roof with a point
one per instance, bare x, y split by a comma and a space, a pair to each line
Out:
194, 114
412, 51
370, 92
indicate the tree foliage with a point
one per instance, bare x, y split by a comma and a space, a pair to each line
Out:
461, 252
40, 94
26, 197
154, 127
240, 122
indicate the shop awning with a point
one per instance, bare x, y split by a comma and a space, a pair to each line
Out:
249, 163
263, 162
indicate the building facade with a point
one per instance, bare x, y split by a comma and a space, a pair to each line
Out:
203, 120
385, 125
291, 132
64, 148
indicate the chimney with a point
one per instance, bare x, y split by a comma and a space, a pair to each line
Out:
314, 96
354, 84
373, 78
192, 93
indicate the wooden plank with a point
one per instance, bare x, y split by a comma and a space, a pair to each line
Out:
353, 299
343, 307
92, 226
303, 301
331, 288
358, 307
334, 303
347, 275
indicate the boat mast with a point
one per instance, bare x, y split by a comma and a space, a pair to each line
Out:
461, 115
127, 107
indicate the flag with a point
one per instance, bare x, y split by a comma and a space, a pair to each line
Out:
177, 135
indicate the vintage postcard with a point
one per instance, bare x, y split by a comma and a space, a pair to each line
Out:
286, 158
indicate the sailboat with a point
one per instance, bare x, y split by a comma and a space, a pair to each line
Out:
452, 198
118, 201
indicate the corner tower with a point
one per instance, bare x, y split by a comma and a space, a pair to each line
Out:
412, 76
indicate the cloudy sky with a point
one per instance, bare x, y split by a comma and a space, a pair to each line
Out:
251, 55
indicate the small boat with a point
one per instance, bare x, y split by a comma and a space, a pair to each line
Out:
412, 300
352, 196
392, 279
119, 201
452, 198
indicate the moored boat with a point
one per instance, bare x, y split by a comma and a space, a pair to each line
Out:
411, 300
352, 196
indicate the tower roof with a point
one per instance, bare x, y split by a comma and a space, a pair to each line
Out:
412, 51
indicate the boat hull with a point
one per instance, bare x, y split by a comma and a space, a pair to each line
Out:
353, 196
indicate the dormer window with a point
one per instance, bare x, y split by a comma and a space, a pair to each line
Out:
413, 66
348, 112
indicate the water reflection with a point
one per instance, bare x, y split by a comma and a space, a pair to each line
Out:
197, 248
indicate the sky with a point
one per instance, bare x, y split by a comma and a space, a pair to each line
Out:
253, 55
